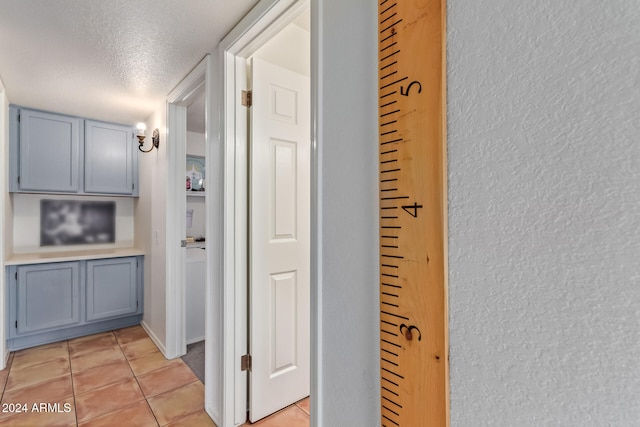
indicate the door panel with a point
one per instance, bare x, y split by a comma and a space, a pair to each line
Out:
279, 239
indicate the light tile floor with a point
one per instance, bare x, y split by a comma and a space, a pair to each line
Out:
107, 379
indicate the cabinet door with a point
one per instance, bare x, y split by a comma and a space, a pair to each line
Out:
49, 152
110, 159
111, 288
48, 296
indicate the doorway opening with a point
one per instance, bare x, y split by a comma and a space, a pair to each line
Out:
195, 232
260, 26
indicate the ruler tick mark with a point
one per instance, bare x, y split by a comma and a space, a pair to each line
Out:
389, 352
389, 400
387, 9
391, 142
389, 362
386, 38
393, 83
390, 391
389, 46
391, 26
389, 56
393, 412
395, 315
388, 75
389, 65
389, 419
389, 113
393, 373
392, 343
389, 381
388, 17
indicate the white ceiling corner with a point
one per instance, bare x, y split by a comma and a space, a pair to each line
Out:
112, 60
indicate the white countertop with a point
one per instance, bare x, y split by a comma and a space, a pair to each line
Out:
60, 256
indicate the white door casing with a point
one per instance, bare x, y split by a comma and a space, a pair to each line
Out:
279, 239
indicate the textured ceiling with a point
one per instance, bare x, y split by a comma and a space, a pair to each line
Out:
113, 60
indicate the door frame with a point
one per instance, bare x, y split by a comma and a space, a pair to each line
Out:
4, 161
177, 102
258, 26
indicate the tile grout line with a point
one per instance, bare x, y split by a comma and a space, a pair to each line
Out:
73, 387
135, 377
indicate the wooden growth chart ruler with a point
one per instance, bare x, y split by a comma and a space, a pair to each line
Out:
412, 147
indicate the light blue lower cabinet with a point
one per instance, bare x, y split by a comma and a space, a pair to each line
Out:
62, 300
48, 296
112, 289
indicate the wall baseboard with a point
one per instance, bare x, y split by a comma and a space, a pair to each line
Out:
155, 339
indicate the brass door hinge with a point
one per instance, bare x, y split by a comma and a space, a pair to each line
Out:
247, 98
245, 362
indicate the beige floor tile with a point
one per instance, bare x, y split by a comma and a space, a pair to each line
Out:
165, 379
139, 348
136, 415
176, 404
107, 399
89, 337
130, 334
291, 416
98, 358
19, 378
101, 376
304, 404
199, 419
151, 362
36, 355
51, 391
61, 415
98, 342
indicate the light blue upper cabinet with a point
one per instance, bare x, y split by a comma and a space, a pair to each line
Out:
110, 165
54, 153
49, 152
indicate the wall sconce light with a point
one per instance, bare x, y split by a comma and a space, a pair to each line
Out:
155, 138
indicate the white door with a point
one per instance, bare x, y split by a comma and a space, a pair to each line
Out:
279, 255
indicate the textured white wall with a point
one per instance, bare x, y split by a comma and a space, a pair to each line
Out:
150, 229
544, 212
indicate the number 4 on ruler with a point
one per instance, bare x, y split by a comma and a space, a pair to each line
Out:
412, 209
